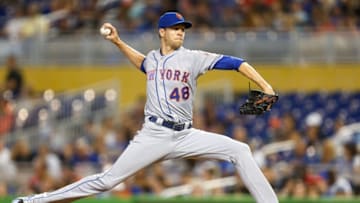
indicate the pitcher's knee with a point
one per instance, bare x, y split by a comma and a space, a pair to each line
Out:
109, 184
240, 151
241, 148
105, 182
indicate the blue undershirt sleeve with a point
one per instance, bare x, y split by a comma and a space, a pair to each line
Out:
228, 63
142, 67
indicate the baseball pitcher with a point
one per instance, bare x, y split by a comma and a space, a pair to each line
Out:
167, 133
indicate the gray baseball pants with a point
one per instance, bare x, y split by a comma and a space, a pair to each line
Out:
153, 143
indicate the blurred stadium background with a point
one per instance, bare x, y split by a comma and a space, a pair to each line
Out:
70, 102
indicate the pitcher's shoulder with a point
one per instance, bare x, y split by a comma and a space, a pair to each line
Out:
151, 53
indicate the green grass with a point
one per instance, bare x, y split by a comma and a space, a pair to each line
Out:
225, 199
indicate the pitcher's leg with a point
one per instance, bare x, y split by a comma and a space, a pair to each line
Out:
210, 145
143, 151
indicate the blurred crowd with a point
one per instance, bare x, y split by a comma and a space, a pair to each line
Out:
27, 25
25, 18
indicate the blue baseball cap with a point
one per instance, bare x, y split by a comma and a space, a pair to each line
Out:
169, 19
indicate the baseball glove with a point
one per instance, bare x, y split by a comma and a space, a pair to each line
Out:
258, 102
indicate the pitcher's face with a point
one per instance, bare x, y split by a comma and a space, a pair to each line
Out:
173, 36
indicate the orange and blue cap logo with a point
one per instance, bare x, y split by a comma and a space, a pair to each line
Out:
179, 16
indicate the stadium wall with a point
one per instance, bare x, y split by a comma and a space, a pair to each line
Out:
132, 82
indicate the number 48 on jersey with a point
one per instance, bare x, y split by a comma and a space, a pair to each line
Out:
178, 94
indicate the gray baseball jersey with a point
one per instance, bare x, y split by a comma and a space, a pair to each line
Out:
171, 82
167, 134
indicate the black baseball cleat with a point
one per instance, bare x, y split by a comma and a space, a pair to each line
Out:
18, 200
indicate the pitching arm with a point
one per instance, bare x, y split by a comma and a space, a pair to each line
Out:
135, 57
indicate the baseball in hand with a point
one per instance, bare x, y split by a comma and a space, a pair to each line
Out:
105, 31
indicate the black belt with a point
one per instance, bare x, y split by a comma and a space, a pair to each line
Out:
171, 124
